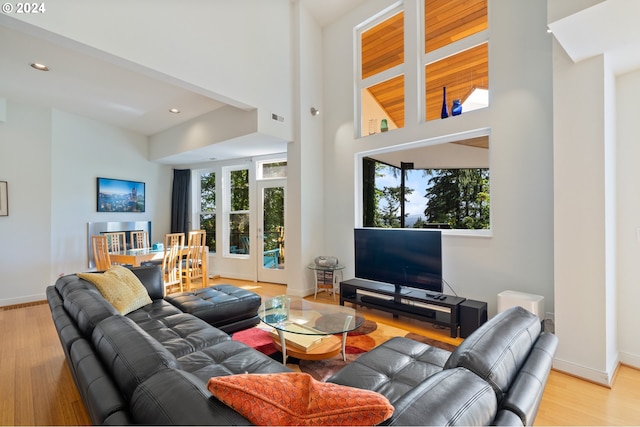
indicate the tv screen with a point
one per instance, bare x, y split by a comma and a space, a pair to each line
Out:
402, 257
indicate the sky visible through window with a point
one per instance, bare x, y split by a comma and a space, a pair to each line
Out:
416, 202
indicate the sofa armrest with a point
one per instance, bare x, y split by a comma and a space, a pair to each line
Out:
151, 278
524, 396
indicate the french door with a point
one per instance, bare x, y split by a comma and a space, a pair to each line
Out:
270, 231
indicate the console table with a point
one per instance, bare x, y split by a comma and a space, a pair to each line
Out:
418, 304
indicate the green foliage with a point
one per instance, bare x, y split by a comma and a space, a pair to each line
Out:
273, 217
458, 197
208, 208
240, 190
208, 192
389, 215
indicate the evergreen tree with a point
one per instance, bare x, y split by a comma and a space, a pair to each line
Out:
208, 204
389, 214
458, 197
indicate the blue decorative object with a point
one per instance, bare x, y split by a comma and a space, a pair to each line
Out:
456, 108
445, 110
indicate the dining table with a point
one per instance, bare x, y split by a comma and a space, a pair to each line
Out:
136, 257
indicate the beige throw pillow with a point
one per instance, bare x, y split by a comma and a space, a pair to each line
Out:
120, 287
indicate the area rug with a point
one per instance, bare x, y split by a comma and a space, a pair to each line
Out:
363, 339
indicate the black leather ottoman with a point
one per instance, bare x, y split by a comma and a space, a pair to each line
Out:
226, 307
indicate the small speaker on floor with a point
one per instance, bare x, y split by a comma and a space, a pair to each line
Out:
472, 315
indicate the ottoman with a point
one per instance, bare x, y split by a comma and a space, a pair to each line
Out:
226, 307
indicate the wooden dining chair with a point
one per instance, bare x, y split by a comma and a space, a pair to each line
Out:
117, 241
192, 266
172, 262
139, 239
101, 252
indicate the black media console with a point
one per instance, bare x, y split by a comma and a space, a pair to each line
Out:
410, 302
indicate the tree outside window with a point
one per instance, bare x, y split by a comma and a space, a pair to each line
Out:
239, 212
208, 208
451, 198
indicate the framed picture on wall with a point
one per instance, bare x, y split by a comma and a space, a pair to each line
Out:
117, 195
4, 199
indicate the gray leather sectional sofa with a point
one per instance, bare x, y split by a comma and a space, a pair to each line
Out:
152, 365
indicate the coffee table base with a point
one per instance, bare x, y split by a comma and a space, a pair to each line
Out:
330, 347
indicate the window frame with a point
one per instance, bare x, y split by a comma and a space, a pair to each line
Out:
359, 208
418, 59
197, 201
441, 53
226, 207
361, 84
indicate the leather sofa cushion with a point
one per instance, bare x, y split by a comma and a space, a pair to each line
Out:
66, 284
218, 304
151, 278
175, 397
129, 353
229, 358
497, 350
66, 328
158, 309
454, 397
182, 333
87, 308
93, 379
393, 368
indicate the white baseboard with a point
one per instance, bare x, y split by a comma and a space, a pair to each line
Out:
632, 360
600, 377
22, 300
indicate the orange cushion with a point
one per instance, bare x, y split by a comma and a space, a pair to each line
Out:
298, 399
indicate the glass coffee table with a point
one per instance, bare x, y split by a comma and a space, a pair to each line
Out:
308, 330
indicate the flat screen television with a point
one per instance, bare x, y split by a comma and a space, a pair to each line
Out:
402, 257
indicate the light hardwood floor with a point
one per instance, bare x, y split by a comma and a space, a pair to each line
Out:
37, 387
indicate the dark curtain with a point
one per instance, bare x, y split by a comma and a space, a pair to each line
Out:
180, 200
368, 191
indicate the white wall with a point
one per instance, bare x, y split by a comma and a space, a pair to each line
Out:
596, 227
519, 254
305, 234
628, 233
51, 160
82, 150
25, 163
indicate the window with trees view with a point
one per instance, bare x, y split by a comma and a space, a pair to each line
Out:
238, 218
432, 191
207, 212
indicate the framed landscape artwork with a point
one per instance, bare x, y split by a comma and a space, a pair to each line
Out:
117, 195
4, 199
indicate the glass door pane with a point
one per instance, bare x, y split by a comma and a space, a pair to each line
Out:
271, 262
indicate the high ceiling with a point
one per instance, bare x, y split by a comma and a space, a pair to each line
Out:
93, 84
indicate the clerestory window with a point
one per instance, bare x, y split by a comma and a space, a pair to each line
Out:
454, 57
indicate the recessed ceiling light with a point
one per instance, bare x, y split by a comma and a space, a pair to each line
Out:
39, 67
174, 111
